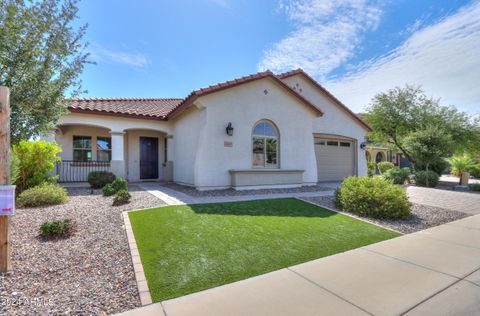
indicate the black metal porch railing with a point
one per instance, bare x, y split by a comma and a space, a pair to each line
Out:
77, 171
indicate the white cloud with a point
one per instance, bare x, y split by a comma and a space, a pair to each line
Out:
444, 58
326, 34
121, 57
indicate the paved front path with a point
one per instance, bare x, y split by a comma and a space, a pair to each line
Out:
432, 272
174, 197
451, 200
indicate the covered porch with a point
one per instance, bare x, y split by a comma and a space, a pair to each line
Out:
133, 153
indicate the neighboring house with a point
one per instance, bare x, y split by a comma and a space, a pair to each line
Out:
379, 153
263, 130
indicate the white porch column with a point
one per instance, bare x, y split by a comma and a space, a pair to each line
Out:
170, 155
117, 165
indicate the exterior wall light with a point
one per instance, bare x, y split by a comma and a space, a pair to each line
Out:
229, 129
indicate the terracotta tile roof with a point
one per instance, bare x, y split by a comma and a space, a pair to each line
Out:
231, 83
327, 93
145, 108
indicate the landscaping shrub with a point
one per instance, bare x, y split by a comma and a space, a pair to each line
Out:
14, 168
99, 179
372, 197
475, 171
475, 187
43, 194
438, 166
57, 229
36, 161
384, 166
421, 178
122, 197
397, 175
117, 185
370, 168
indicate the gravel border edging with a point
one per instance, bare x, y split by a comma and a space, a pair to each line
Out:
143, 290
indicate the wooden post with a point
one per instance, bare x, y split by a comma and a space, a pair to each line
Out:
5, 264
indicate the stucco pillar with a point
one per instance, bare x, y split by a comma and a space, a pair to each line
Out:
170, 154
117, 164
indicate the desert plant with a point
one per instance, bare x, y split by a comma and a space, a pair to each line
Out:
122, 197
462, 163
384, 166
36, 161
370, 168
43, 194
117, 185
99, 179
372, 197
475, 186
57, 228
426, 179
397, 175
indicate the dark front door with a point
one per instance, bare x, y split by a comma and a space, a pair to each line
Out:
148, 158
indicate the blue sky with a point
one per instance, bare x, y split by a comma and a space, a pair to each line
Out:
355, 48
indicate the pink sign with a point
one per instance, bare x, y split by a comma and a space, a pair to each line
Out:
7, 199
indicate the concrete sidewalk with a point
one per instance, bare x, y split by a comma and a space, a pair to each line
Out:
432, 272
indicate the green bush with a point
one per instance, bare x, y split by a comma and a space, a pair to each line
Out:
438, 166
56, 228
421, 178
370, 168
475, 186
43, 194
462, 163
397, 175
475, 171
117, 185
372, 197
122, 197
36, 162
384, 166
14, 168
99, 179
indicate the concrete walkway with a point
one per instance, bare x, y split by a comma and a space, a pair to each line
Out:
432, 272
174, 197
456, 201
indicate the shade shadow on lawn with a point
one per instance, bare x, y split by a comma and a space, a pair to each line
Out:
188, 248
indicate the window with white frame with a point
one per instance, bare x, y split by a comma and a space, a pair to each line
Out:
265, 143
82, 148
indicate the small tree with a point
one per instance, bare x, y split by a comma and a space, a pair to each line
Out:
41, 58
428, 145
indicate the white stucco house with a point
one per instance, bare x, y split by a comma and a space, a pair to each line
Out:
262, 130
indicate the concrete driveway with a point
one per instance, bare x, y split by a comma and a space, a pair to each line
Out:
432, 272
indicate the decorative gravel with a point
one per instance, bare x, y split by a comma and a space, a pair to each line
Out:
423, 216
90, 273
231, 192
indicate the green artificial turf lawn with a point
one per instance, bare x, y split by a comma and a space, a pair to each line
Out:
188, 248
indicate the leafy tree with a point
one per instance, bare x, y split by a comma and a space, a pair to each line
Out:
396, 114
41, 58
428, 145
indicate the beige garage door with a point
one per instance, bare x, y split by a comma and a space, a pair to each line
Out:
335, 159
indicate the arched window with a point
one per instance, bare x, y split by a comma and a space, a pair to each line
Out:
379, 157
265, 142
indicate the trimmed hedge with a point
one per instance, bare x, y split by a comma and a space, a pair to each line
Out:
475, 187
117, 185
421, 178
383, 166
99, 179
43, 194
372, 197
397, 175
